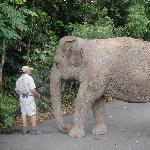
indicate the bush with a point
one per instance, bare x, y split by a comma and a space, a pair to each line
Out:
70, 93
43, 104
8, 110
137, 22
103, 28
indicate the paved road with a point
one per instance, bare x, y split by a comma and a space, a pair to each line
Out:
128, 129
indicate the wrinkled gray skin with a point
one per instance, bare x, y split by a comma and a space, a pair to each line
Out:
116, 67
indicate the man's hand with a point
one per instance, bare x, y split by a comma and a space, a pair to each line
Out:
35, 93
17, 93
38, 95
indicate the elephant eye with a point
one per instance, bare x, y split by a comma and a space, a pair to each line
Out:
57, 65
81, 52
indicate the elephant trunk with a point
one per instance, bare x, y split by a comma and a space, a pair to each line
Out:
55, 91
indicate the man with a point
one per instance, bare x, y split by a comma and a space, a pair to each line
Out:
25, 89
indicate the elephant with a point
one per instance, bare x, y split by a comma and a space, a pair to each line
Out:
116, 67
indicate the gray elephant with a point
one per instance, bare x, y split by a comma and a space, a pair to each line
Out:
116, 67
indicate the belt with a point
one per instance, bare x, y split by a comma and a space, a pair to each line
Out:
25, 95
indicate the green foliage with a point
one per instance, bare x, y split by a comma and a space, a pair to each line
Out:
147, 11
8, 110
11, 21
92, 13
43, 104
117, 10
103, 28
17, 1
8, 82
12, 24
137, 22
70, 93
64, 12
119, 31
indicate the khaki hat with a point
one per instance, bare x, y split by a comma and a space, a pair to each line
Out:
26, 68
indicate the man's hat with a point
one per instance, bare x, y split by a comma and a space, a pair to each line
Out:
26, 68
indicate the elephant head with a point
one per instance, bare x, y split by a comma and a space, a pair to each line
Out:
67, 65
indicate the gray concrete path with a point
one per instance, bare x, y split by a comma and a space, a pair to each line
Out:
128, 129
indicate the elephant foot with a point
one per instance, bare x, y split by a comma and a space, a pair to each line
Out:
99, 129
77, 132
65, 128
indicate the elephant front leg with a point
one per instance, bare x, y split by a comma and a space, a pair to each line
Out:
98, 111
83, 102
77, 130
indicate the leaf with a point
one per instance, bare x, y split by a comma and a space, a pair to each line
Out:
8, 120
43, 57
32, 13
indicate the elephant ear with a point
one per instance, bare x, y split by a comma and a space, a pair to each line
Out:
73, 50
66, 43
75, 56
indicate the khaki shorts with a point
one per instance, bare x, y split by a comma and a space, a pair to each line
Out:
28, 106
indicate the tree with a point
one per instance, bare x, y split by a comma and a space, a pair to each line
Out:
64, 12
12, 23
137, 22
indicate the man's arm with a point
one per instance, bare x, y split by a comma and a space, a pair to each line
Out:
32, 88
34, 93
17, 92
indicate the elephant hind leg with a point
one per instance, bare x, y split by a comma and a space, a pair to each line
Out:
98, 112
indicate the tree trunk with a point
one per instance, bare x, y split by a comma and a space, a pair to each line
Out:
2, 60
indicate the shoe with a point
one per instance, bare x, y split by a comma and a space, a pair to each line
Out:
24, 130
35, 131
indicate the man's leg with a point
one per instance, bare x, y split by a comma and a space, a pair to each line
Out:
32, 114
33, 120
24, 120
24, 124
34, 130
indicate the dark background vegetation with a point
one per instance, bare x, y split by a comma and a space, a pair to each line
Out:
30, 30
